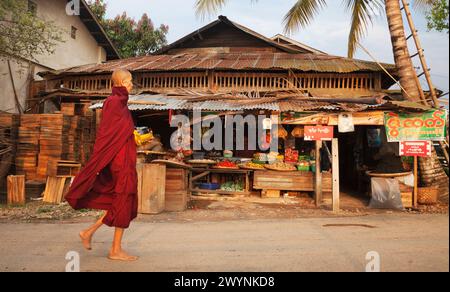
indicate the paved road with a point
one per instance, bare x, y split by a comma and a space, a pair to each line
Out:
404, 243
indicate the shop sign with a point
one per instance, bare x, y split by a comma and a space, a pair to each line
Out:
319, 133
428, 126
415, 148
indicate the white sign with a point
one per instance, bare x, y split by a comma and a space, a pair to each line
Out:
345, 123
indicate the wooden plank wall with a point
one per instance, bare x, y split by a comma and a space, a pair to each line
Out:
232, 81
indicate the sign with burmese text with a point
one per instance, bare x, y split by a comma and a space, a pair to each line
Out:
428, 126
415, 148
319, 133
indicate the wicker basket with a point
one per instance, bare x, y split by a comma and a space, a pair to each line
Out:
428, 196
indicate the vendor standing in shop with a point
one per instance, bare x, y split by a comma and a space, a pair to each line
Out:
109, 180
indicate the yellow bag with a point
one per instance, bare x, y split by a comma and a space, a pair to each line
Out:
142, 139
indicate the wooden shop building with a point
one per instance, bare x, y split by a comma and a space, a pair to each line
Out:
227, 69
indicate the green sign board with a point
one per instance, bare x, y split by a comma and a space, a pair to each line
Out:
428, 126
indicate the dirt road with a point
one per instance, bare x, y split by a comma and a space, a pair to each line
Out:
405, 242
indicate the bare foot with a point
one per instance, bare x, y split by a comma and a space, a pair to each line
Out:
86, 240
121, 256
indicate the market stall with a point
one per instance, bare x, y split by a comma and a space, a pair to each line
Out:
293, 168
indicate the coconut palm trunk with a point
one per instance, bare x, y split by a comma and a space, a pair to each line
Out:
402, 57
431, 171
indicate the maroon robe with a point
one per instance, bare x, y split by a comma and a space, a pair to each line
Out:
109, 180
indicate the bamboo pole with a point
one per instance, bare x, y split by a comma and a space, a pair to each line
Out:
318, 177
420, 51
335, 170
416, 183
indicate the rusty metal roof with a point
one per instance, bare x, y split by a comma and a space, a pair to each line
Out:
163, 103
229, 61
173, 103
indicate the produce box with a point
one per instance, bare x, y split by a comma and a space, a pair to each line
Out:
291, 155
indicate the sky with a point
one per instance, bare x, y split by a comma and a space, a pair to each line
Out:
328, 32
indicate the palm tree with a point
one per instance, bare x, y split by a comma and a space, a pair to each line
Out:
362, 11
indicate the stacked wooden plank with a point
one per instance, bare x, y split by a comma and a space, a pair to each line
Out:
28, 146
68, 108
87, 138
9, 124
73, 137
53, 141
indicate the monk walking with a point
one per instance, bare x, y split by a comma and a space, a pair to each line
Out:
109, 180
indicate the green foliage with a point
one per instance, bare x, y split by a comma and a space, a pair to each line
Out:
130, 37
438, 16
23, 35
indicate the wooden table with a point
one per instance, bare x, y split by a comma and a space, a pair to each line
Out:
290, 181
198, 173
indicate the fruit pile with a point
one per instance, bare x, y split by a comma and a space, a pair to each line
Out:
252, 165
226, 164
281, 166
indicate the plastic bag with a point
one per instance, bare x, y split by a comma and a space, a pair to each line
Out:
407, 180
386, 194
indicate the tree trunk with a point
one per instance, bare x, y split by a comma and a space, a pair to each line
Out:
405, 68
432, 173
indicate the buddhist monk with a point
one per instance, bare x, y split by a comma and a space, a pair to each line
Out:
109, 180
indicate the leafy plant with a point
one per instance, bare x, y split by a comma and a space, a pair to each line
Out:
23, 35
132, 38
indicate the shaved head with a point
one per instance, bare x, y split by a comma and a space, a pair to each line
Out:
122, 78
119, 76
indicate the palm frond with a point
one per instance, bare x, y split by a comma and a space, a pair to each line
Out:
301, 14
362, 12
423, 5
204, 8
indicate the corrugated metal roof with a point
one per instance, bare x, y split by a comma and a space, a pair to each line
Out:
171, 103
175, 103
229, 61
220, 106
305, 106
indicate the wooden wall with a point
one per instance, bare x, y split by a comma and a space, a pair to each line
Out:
235, 81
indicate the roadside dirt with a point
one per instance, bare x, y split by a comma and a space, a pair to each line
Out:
211, 209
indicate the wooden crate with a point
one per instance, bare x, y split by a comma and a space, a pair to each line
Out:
407, 199
16, 190
56, 188
177, 189
28, 146
271, 194
151, 188
54, 140
290, 181
63, 167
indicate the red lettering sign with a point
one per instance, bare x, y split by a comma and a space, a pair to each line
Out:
319, 133
419, 148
